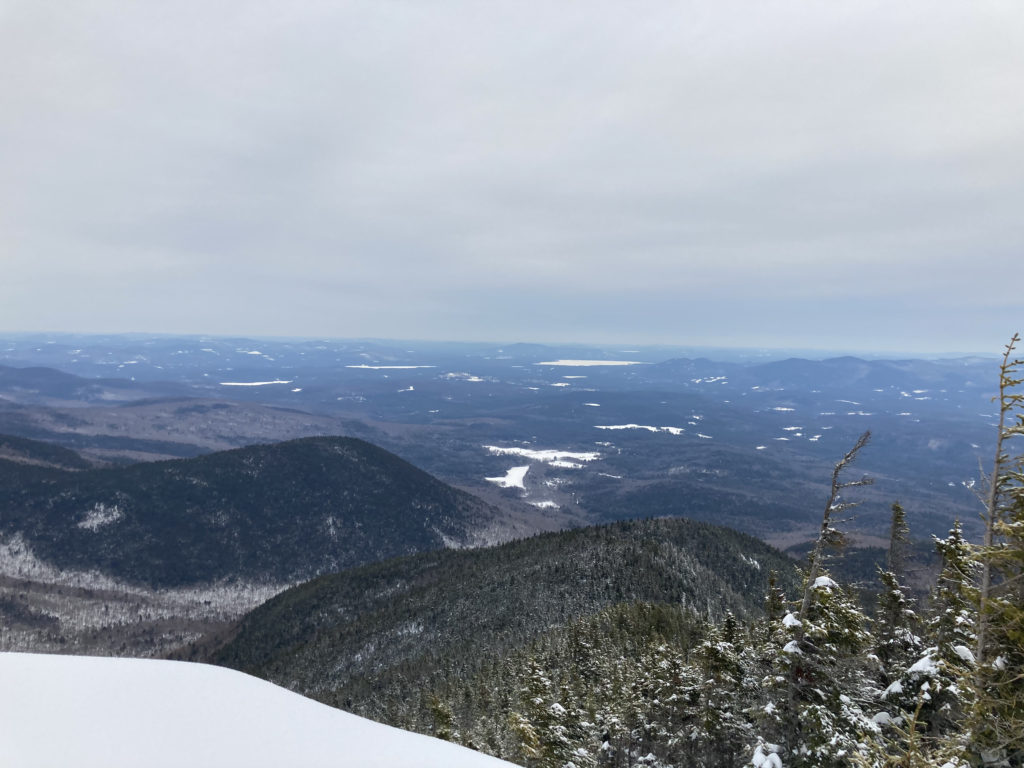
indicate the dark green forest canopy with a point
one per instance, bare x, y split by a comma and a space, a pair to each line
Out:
280, 512
410, 617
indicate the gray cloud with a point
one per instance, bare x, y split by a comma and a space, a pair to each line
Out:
653, 171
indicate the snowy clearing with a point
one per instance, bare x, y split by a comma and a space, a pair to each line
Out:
588, 363
561, 464
512, 479
547, 456
364, 366
112, 713
670, 430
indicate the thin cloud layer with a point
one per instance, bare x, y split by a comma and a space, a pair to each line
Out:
778, 173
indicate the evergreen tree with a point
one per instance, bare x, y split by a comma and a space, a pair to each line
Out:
816, 685
896, 628
721, 724
549, 731
926, 704
997, 717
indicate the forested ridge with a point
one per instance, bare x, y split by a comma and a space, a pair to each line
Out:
267, 513
379, 638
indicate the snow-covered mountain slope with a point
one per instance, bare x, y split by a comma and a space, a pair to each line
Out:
109, 713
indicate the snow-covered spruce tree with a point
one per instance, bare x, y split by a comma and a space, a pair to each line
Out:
720, 729
668, 684
897, 627
814, 717
924, 707
546, 728
997, 715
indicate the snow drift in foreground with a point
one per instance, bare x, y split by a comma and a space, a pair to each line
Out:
108, 713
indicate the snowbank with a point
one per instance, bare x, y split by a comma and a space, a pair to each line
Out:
112, 713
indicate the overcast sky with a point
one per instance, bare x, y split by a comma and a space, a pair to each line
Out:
800, 174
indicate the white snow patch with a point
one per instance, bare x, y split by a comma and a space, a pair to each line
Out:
254, 383
924, 666
791, 429
389, 367
588, 363
647, 427
789, 620
512, 479
760, 447
824, 581
593, 405
561, 464
704, 437
560, 384
964, 653
297, 389
750, 561
104, 712
894, 689
765, 756
781, 408
545, 504
101, 515
544, 455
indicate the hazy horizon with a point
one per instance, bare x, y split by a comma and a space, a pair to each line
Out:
778, 175
738, 351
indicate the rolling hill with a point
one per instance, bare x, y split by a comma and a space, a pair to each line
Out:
265, 513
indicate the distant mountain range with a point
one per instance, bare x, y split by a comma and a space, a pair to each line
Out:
265, 513
745, 439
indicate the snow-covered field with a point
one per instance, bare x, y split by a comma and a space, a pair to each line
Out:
670, 430
93, 712
589, 363
512, 479
546, 456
